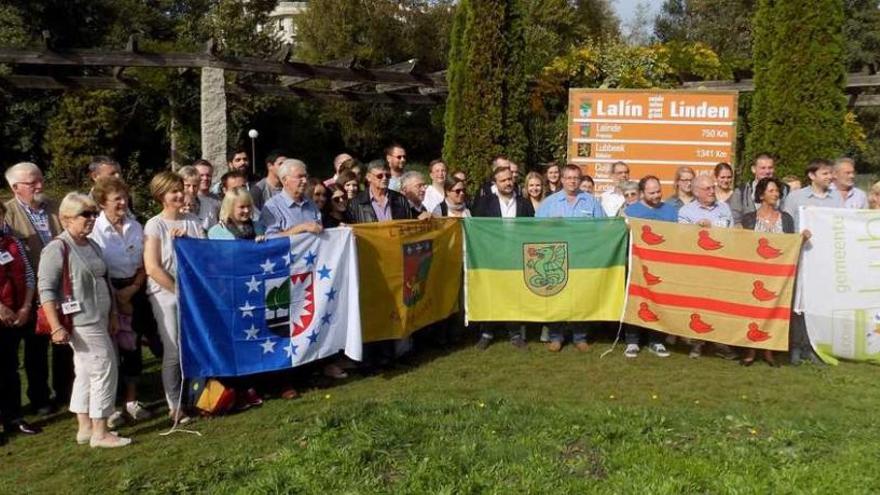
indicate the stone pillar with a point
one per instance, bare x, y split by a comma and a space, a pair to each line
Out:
213, 99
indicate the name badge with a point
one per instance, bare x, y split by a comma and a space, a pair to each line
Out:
5, 257
70, 307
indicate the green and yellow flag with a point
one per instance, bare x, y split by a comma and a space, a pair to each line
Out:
410, 275
544, 269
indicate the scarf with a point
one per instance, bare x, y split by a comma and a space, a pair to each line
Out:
242, 231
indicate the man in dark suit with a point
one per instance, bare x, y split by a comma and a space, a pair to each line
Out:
503, 203
378, 203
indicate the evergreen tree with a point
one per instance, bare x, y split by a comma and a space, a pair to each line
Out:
485, 111
799, 108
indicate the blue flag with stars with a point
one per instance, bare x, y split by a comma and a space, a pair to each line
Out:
248, 307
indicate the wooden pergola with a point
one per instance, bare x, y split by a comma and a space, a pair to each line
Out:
856, 85
344, 80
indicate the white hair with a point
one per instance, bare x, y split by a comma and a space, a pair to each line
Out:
843, 161
13, 172
75, 203
407, 177
288, 165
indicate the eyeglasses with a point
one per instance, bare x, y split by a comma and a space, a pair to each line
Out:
457, 191
88, 214
32, 184
400, 157
339, 199
380, 175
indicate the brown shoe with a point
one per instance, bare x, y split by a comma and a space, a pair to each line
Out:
582, 346
289, 393
554, 346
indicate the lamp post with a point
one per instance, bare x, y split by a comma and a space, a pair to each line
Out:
253, 134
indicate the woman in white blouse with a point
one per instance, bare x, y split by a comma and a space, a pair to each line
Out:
121, 239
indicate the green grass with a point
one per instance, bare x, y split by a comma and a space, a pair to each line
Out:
504, 422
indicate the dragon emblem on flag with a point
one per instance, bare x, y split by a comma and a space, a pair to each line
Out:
545, 267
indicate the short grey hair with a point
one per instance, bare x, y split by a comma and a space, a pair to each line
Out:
21, 168
412, 175
377, 164
75, 203
842, 161
99, 160
703, 178
188, 172
629, 185
288, 165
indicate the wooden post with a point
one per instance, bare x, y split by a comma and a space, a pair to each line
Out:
213, 125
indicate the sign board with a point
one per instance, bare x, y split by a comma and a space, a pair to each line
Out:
653, 131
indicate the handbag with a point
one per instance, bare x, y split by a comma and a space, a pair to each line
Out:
42, 326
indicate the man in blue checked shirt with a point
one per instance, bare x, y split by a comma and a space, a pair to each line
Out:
570, 202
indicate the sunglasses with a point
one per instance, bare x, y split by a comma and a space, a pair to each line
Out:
380, 175
89, 214
339, 199
457, 191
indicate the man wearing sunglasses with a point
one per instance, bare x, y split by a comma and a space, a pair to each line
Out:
395, 157
34, 220
378, 203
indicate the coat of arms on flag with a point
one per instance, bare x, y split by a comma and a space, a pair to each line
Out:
247, 307
545, 267
417, 258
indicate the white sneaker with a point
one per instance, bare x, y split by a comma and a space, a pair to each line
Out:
116, 420
137, 411
658, 349
631, 351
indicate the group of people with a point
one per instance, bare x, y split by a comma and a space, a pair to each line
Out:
106, 283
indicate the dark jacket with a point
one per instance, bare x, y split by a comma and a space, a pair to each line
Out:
488, 206
361, 209
486, 189
742, 200
750, 219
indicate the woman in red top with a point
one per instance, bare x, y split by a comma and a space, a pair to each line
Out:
17, 285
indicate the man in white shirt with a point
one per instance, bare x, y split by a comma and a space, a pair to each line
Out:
844, 184
436, 192
612, 200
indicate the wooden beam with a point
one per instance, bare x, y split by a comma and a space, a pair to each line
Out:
855, 80
94, 82
198, 60
867, 101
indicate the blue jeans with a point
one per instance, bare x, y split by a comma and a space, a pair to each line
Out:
488, 330
634, 334
557, 331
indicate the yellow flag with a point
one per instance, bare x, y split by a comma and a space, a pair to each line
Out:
410, 275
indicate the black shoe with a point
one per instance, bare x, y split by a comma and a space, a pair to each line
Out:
483, 343
22, 426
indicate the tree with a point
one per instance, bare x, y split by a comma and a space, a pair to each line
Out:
485, 111
724, 25
798, 108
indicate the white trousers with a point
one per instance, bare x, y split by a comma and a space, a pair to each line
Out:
95, 366
164, 306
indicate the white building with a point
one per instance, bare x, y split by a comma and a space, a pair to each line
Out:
281, 20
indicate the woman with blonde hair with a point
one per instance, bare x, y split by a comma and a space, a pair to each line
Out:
536, 188
93, 318
161, 267
235, 219
683, 191
874, 196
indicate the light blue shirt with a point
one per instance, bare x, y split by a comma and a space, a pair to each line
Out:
556, 205
807, 197
855, 199
281, 212
718, 214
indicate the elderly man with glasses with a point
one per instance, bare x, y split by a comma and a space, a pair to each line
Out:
33, 219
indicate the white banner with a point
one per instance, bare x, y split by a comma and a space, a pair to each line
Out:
840, 282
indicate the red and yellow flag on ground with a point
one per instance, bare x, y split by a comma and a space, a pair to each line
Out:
730, 286
410, 275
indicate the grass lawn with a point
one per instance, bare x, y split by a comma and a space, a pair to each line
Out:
503, 421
